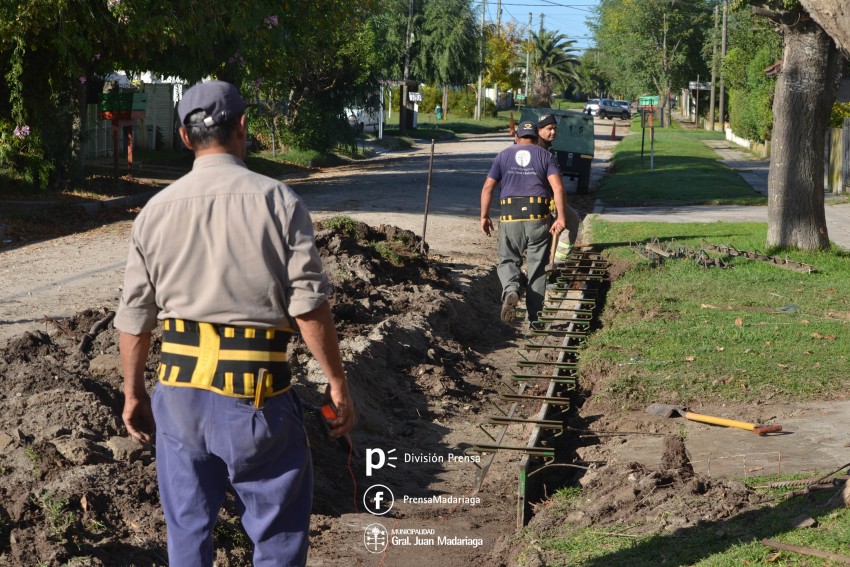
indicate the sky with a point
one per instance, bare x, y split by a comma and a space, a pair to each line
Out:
562, 16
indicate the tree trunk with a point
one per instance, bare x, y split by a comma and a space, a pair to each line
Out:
805, 93
834, 18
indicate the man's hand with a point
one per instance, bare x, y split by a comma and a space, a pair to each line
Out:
138, 417
486, 225
557, 227
345, 416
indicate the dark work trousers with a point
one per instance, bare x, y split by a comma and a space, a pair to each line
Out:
204, 439
532, 238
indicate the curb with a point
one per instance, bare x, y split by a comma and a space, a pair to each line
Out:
117, 202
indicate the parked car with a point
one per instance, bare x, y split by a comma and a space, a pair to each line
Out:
607, 108
363, 119
625, 104
591, 106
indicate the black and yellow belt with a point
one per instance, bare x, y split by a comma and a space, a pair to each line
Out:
225, 359
516, 209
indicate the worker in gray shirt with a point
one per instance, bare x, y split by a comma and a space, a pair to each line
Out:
225, 259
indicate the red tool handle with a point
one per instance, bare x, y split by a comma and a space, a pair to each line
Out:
762, 429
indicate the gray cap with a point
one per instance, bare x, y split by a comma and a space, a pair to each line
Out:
527, 130
220, 102
546, 119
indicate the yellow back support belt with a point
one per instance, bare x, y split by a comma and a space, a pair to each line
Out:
516, 209
224, 358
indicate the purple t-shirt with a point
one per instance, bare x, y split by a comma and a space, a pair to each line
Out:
523, 170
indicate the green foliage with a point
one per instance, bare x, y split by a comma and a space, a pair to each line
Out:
343, 224
504, 55
840, 111
387, 252
462, 102
753, 46
650, 45
20, 156
751, 103
553, 63
56, 513
449, 48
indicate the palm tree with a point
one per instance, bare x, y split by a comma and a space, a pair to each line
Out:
553, 63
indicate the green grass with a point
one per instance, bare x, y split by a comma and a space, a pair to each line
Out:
727, 543
686, 172
283, 161
681, 333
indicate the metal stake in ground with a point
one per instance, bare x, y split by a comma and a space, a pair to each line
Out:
427, 198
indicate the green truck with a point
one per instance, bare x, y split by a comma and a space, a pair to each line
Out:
573, 146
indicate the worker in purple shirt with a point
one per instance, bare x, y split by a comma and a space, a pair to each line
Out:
530, 181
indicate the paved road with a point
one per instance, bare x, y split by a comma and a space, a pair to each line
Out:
754, 172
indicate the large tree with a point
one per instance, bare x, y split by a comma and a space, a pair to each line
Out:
553, 63
806, 89
655, 42
834, 17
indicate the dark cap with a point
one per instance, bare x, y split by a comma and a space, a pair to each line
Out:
545, 120
220, 102
526, 130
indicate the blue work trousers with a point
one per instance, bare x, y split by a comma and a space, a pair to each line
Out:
204, 439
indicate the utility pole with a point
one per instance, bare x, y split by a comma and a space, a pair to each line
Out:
722, 57
542, 15
528, 58
713, 71
499, 33
480, 64
402, 106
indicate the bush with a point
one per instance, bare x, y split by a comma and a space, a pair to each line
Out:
21, 158
840, 111
751, 109
316, 127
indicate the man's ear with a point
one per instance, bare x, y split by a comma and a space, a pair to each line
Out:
185, 137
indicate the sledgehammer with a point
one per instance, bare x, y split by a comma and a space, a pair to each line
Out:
667, 410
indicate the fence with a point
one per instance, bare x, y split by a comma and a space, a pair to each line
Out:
836, 167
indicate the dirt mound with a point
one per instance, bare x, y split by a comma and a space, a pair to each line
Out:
645, 500
77, 489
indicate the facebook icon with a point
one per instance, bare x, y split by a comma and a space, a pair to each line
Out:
378, 499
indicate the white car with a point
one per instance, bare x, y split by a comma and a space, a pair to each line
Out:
363, 119
592, 106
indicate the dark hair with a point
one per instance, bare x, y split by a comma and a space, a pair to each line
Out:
201, 136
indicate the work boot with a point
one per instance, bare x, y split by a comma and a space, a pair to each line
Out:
509, 306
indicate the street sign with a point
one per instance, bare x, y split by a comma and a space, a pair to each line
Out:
520, 97
415, 97
694, 86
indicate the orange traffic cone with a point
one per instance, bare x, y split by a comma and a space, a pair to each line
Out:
614, 131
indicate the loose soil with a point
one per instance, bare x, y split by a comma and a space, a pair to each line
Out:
424, 350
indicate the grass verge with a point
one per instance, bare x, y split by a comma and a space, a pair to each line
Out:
680, 333
752, 332
733, 542
686, 172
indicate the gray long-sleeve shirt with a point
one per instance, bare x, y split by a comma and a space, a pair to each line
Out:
222, 244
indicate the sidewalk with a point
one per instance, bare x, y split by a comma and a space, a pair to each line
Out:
753, 171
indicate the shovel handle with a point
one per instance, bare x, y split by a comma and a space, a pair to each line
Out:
719, 420
757, 429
